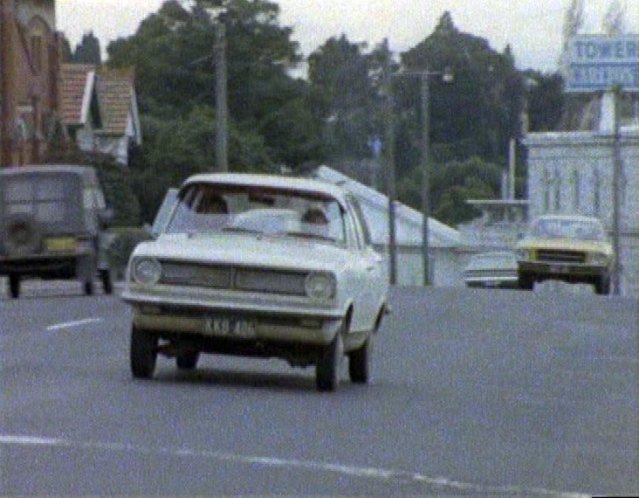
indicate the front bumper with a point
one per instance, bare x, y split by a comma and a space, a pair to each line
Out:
181, 311
562, 271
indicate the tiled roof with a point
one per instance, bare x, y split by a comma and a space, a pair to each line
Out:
73, 86
115, 92
114, 89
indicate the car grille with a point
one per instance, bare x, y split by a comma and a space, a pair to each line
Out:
560, 256
234, 278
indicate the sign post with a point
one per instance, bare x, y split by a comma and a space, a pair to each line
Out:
610, 64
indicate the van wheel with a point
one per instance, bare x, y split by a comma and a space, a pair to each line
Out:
14, 286
143, 353
327, 369
359, 362
88, 288
187, 360
107, 283
602, 286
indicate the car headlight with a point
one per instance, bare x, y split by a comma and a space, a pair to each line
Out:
599, 259
522, 254
320, 285
147, 271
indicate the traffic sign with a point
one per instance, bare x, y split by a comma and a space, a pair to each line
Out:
598, 62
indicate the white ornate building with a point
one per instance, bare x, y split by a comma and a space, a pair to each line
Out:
572, 172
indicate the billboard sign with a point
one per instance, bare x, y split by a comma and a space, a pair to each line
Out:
599, 62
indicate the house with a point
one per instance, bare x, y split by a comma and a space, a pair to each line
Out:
572, 172
99, 109
445, 248
30, 51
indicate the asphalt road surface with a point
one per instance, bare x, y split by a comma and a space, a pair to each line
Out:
475, 392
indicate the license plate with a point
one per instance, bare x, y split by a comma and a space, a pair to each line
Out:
230, 327
60, 244
558, 269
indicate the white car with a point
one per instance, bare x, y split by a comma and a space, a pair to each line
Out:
262, 266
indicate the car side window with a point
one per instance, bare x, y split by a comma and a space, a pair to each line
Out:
352, 230
361, 220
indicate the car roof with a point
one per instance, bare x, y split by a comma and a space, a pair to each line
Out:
85, 171
270, 181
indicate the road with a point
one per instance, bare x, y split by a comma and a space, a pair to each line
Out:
477, 393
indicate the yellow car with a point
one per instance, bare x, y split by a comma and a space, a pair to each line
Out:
572, 249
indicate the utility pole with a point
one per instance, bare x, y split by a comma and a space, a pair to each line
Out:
221, 109
425, 101
616, 176
390, 162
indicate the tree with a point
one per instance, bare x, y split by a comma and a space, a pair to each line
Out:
480, 108
614, 21
343, 96
88, 50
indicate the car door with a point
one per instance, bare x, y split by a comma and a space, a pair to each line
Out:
372, 275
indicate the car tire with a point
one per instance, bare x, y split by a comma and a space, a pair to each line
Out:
107, 283
526, 282
602, 286
143, 353
327, 370
187, 360
359, 362
14, 286
88, 288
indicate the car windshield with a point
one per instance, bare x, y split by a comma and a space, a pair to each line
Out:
211, 208
558, 228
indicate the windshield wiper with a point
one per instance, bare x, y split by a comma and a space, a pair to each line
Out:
242, 230
308, 235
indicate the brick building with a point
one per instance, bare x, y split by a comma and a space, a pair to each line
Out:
29, 68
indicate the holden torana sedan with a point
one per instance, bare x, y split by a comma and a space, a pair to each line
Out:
571, 249
258, 266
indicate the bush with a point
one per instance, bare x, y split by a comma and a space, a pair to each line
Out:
124, 242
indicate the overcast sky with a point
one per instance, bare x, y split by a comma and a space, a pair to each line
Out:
531, 27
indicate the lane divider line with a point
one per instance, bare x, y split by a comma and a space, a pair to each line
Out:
75, 323
348, 470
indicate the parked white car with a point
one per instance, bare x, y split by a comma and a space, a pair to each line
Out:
262, 266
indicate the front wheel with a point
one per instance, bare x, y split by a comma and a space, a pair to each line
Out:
143, 353
88, 287
187, 360
602, 286
526, 282
107, 283
327, 369
359, 362
14, 286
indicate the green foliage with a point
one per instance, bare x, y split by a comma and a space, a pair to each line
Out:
115, 180
124, 242
480, 108
452, 184
88, 50
344, 96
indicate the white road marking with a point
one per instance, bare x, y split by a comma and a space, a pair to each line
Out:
76, 323
349, 470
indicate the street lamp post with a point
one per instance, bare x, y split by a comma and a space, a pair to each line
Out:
425, 150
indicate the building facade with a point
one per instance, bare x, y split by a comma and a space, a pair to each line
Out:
29, 68
572, 172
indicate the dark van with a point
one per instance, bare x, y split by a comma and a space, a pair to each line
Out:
52, 220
